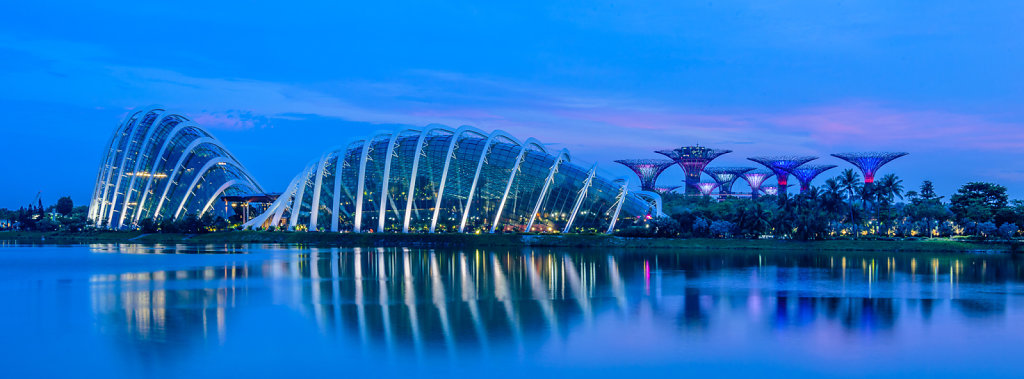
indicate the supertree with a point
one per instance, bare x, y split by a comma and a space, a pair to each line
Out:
771, 190
705, 188
755, 179
781, 166
647, 169
726, 177
806, 173
869, 162
666, 189
693, 159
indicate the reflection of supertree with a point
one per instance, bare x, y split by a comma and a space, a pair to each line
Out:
706, 187
666, 189
693, 159
755, 179
806, 173
869, 162
647, 170
781, 166
726, 176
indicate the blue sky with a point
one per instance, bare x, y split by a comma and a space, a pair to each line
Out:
281, 82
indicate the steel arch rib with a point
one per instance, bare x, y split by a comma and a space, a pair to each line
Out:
146, 143
104, 171
444, 173
156, 162
618, 206
563, 156
300, 192
216, 194
112, 156
314, 208
287, 196
199, 175
335, 203
124, 158
170, 179
387, 177
512, 177
656, 198
579, 198
479, 166
357, 221
415, 170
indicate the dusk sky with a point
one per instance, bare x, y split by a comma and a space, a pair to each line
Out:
282, 82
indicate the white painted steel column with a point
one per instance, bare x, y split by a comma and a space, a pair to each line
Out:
580, 198
563, 155
314, 210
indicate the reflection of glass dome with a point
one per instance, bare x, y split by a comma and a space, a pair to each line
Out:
451, 180
160, 164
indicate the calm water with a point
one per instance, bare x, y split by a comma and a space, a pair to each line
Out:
261, 310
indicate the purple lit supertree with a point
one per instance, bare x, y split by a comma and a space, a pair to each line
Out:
771, 190
755, 179
666, 189
726, 177
781, 166
647, 169
869, 162
705, 188
806, 173
693, 159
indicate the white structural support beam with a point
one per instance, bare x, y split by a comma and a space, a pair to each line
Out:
562, 156
444, 174
120, 167
156, 165
621, 198
410, 197
386, 180
177, 166
102, 177
512, 177
199, 175
479, 167
146, 143
300, 191
216, 194
314, 208
580, 197
654, 198
286, 197
336, 201
357, 221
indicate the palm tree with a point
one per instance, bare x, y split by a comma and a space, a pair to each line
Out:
887, 190
849, 181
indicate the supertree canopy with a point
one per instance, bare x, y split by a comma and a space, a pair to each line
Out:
726, 176
666, 189
781, 166
869, 162
647, 169
693, 159
705, 188
806, 173
755, 178
771, 190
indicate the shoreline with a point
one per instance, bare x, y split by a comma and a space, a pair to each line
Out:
504, 240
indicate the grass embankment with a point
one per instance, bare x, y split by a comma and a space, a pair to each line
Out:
504, 240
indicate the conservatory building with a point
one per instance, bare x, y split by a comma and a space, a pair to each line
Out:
439, 179
160, 165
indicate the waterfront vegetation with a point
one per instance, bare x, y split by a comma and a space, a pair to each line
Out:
841, 214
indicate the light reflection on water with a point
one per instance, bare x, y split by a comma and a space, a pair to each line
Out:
378, 310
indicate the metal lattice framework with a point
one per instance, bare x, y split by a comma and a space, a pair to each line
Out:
706, 188
726, 177
161, 165
781, 166
806, 173
755, 179
647, 170
439, 179
869, 162
693, 160
666, 189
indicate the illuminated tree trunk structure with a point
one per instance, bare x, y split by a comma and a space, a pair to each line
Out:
755, 179
693, 160
706, 188
781, 166
806, 173
647, 170
869, 162
726, 177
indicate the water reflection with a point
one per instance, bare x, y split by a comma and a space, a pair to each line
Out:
454, 303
